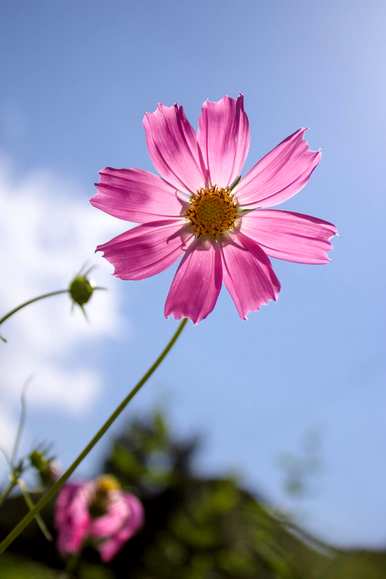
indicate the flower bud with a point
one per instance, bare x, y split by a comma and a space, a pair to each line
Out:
81, 290
45, 466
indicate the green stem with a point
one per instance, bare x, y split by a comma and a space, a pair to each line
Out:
71, 566
66, 475
30, 504
32, 301
20, 426
7, 491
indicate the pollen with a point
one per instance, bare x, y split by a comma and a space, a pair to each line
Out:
212, 212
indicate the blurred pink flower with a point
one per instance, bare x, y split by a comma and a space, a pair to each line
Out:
99, 511
201, 210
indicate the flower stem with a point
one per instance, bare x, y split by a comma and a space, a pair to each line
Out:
66, 475
30, 504
7, 491
32, 301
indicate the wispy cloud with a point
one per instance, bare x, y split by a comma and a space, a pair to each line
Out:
47, 231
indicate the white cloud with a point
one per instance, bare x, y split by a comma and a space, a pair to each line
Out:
47, 231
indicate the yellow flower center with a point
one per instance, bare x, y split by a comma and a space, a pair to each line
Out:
212, 211
107, 483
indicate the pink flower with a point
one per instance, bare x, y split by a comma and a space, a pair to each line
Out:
98, 511
201, 210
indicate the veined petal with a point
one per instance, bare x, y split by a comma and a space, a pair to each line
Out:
223, 136
173, 148
280, 174
288, 235
135, 195
145, 250
248, 275
197, 283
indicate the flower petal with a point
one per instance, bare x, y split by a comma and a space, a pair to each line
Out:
72, 518
173, 148
135, 195
145, 250
133, 521
223, 136
248, 275
288, 235
197, 283
117, 513
280, 174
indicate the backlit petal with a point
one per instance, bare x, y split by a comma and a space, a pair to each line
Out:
280, 174
197, 283
135, 195
173, 148
223, 136
288, 235
145, 250
248, 275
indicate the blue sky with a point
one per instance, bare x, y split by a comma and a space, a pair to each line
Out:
76, 79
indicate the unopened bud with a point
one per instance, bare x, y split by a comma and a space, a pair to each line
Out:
46, 468
81, 290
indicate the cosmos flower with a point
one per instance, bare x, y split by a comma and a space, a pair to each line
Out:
97, 511
201, 210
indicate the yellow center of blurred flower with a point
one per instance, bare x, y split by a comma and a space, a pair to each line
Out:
104, 486
107, 483
212, 211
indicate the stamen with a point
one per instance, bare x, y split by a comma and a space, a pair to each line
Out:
212, 212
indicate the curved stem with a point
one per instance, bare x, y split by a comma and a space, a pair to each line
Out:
32, 301
66, 475
20, 426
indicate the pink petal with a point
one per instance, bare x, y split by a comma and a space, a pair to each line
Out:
280, 174
111, 522
145, 250
223, 136
248, 275
72, 518
109, 548
196, 285
135, 195
173, 148
130, 525
288, 235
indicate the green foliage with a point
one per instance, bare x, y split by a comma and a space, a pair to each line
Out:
195, 528
16, 567
299, 469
